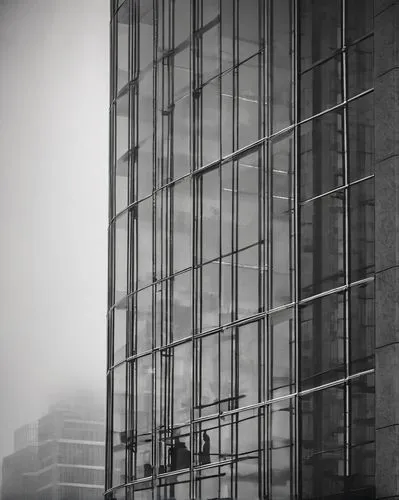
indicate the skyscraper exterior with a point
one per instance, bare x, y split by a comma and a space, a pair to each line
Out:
60, 457
253, 264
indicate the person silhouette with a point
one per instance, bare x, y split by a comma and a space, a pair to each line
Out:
205, 456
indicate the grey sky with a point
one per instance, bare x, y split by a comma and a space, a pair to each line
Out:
53, 203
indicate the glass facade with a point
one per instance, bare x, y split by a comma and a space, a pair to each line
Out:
241, 264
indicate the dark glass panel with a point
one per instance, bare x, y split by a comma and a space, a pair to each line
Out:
361, 137
362, 327
281, 446
362, 432
320, 29
322, 340
322, 244
321, 154
361, 229
282, 353
248, 102
281, 63
321, 87
360, 67
322, 426
359, 18
282, 258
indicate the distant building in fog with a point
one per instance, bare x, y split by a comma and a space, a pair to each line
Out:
61, 457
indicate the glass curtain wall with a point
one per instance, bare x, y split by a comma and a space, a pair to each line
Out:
241, 237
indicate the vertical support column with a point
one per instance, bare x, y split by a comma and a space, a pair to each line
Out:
386, 61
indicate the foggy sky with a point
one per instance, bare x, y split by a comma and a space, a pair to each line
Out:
53, 203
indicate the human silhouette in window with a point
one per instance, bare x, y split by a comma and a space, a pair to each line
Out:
179, 455
205, 457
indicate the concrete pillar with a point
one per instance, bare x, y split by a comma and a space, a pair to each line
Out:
386, 46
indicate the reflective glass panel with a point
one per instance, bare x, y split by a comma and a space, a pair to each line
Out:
282, 353
360, 62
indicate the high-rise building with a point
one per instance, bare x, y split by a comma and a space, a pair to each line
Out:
253, 267
61, 457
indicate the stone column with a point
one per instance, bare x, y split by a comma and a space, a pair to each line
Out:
386, 61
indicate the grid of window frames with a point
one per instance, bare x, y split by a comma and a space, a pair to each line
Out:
241, 292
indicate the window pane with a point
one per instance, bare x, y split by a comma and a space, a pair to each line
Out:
359, 18
210, 122
122, 26
282, 353
362, 445
320, 29
121, 241
210, 53
209, 206
119, 425
249, 185
180, 161
120, 330
362, 327
321, 155
227, 103
248, 102
122, 127
144, 129
180, 314
322, 244
207, 377
361, 137
322, 341
209, 296
181, 369
281, 63
248, 282
281, 446
322, 425
227, 208
249, 369
360, 67
146, 35
361, 229
321, 87
282, 258
143, 315
182, 24
144, 242
248, 28
181, 202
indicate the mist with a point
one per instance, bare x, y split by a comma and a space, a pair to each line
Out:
54, 75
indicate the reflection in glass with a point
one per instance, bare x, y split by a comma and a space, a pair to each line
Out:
321, 154
360, 67
282, 352
282, 258
180, 159
361, 229
210, 52
322, 426
144, 136
210, 122
249, 184
281, 446
209, 207
180, 313
322, 244
322, 338
122, 27
321, 87
248, 282
144, 243
320, 29
120, 325
181, 219
119, 425
121, 233
362, 445
143, 317
209, 306
248, 14
362, 327
361, 137
281, 63
249, 369
359, 18
248, 102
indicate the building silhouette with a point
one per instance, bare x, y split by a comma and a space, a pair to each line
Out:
60, 457
253, 250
